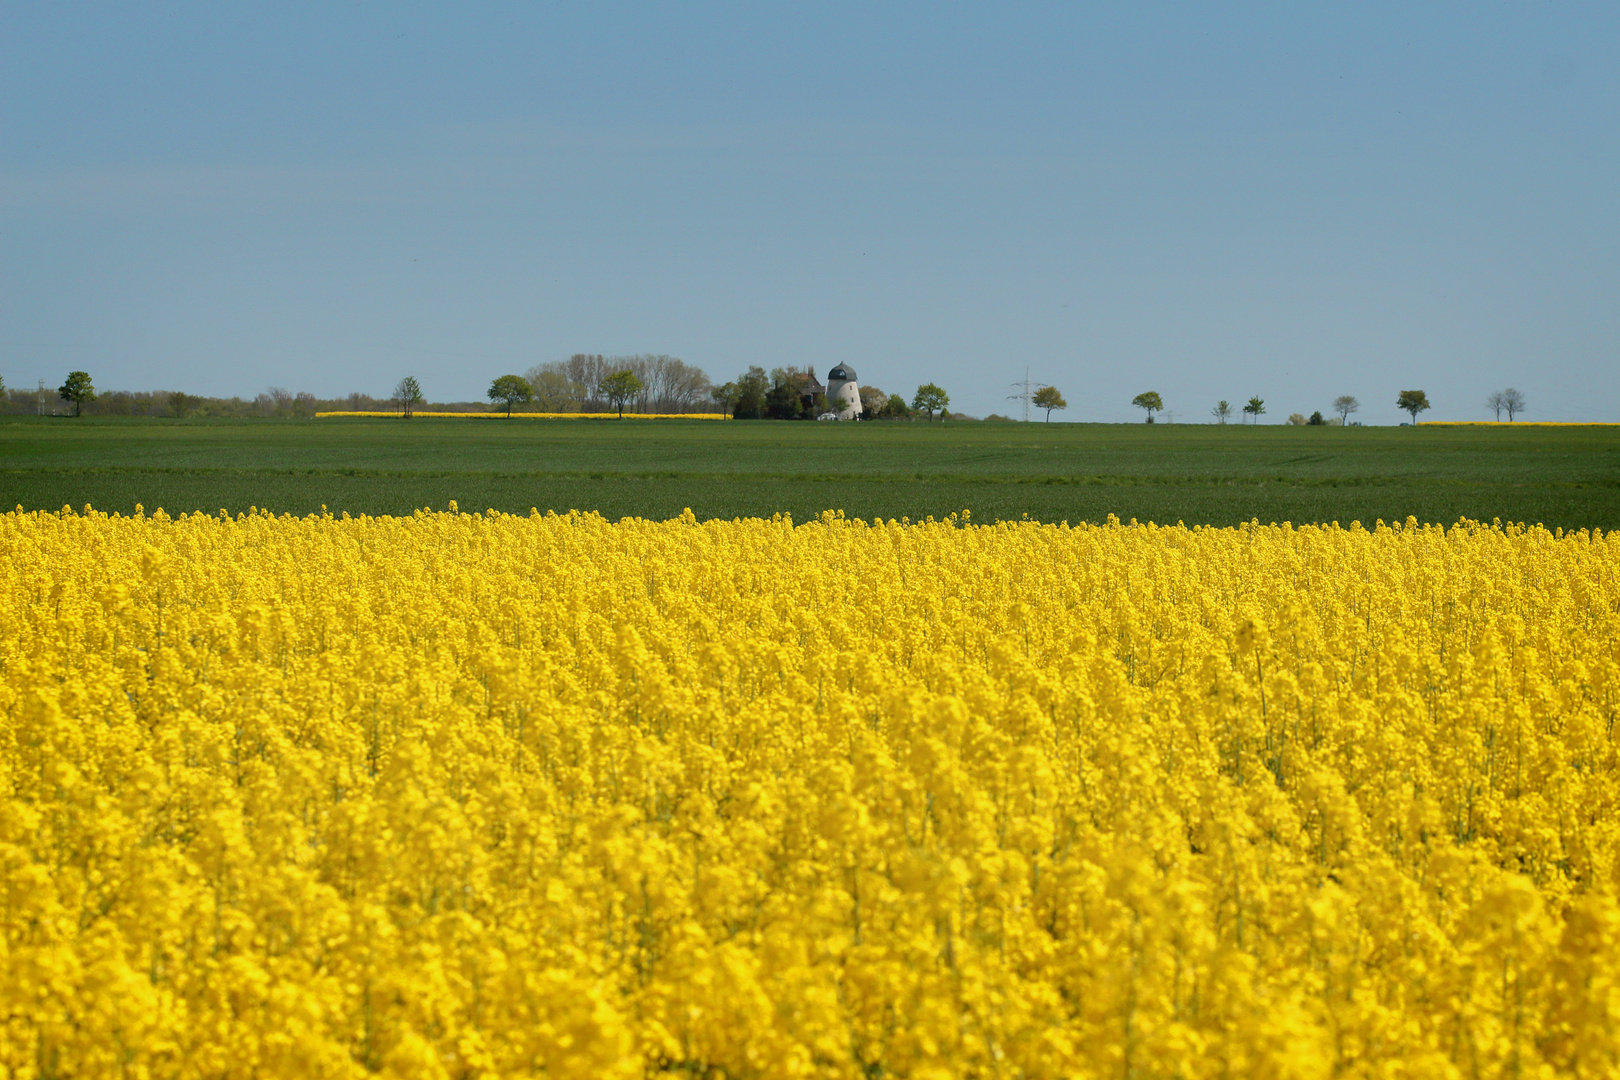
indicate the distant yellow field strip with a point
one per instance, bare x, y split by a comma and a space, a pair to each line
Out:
544, 415
1511, 423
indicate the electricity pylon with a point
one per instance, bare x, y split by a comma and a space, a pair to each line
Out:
1026, 394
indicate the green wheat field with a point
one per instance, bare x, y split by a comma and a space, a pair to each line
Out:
1197, 474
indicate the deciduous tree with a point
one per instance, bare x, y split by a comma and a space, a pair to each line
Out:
620, 387
78, 389
1221, 411
873, 401
408, 393
785, 398
1255, 407
930, 399
1413, 401
1344, 405
1151, 401
1048, 398
745, 398
510, 390
553, 390
1513, 402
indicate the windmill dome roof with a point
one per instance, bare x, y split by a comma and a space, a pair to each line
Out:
842, 371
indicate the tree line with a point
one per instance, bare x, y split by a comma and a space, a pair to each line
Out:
582, 383
592, 382
1411, 402
78, 396
651, 383
585, 382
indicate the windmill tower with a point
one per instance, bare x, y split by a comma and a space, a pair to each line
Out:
843, 392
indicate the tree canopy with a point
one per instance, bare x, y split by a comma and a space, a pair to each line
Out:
408, 393
1048, 398
1413, 401
1344, 405
873, 401
620, 387
1255, 407
510, 390
1151, 401
895, 408
930, 399
785, 398
745, 398
77, 389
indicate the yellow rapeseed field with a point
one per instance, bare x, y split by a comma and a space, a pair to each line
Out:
537, 415
480, 795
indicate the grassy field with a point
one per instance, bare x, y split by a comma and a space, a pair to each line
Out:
1166, 473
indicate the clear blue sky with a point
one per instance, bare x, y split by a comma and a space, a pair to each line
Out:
1295, 201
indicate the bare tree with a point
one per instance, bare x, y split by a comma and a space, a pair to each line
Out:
1221, 411
668, 383
1509, 400
554, 391
275, 401
567, 385
1344, 405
